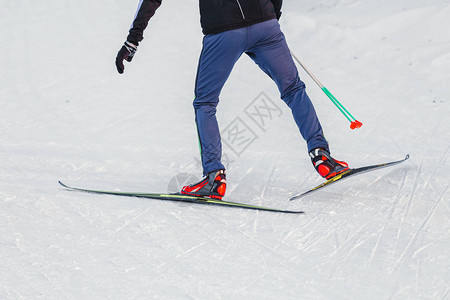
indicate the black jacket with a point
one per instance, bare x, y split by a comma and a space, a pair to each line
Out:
215, 15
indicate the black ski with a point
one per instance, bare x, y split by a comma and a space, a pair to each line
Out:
347, 174
182, 198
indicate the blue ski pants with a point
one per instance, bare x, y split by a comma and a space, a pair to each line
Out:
265, 44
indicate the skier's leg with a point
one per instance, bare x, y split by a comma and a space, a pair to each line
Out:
268, 48
219, 54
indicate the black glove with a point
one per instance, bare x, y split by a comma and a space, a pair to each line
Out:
126, 52
278, 15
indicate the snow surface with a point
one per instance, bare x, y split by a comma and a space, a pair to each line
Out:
66, 114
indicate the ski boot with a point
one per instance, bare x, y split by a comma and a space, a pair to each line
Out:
213, 186
325, 165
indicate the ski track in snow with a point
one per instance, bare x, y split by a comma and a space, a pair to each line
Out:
67, 115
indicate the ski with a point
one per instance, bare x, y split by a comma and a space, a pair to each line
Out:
347, 174
182, 198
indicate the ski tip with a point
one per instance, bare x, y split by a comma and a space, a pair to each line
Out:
60, 182
407, 156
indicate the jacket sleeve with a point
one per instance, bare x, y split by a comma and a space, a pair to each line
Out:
277, 5
145, 11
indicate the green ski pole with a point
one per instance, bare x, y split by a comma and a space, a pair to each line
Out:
353, 122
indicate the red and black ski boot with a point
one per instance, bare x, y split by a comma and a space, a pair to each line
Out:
213, 185
325, 165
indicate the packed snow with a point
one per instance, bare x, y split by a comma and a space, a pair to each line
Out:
66, 114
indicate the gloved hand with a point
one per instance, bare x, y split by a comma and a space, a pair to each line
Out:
278, 15
126, 52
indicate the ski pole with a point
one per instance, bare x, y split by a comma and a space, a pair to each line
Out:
353, 122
